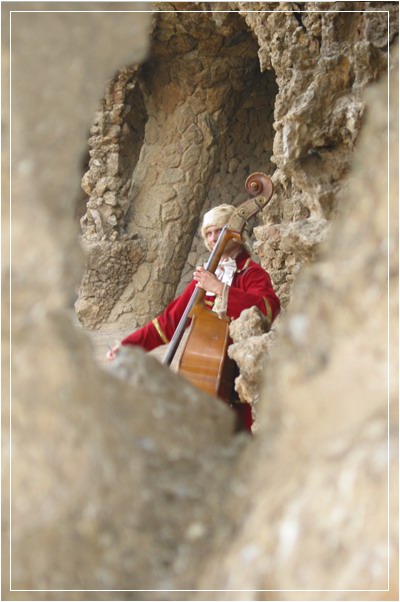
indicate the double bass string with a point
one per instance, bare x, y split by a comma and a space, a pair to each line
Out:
180, 329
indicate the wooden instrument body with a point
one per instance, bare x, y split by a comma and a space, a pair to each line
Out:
204, 361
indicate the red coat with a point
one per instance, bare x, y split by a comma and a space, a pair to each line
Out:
251, 285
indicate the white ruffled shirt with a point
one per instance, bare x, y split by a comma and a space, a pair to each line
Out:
225, 272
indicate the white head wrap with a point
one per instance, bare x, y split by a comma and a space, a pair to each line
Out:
218, 217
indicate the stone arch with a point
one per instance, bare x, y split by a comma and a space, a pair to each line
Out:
194, 121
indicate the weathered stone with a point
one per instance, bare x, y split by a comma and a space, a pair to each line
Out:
250, 356
110, 199
321, 67
179, 151
171, 212
171, 176
249, 351
190, 157
323, 432
287, 511
250, 323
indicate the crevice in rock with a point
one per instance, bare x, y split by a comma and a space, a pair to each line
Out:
134, 127
298, 15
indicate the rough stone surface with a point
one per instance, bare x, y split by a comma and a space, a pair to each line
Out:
202, 117
224, 94
252, 340
119, 480
319, 469
251, 322
113, 472
100, 466
322, 61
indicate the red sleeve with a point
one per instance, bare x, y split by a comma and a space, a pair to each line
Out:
160, 330
253, 287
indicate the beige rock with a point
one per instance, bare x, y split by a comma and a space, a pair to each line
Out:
250, 348
174, 158
322, 60
250, 323
318, 471
135, 480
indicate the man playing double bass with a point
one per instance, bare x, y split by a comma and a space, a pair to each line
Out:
238, 283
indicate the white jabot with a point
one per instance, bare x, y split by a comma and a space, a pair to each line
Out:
225, 272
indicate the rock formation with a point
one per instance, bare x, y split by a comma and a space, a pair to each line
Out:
130, 479
222, 94
205, 122
322, 475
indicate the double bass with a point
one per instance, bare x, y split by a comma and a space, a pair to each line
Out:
204, 360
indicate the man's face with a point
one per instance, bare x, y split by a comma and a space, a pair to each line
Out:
212, 234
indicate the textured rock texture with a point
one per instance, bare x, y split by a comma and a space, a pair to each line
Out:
132, 479
252, 341
323, 471
273, 87
104, 467
113, 481
202, 117
322, 61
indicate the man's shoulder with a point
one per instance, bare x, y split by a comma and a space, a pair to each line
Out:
251, 265
255, 273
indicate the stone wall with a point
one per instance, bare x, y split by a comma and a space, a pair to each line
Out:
248, 144
222, 95
320, 509
322, 61
199, 89
132, 479
115, 143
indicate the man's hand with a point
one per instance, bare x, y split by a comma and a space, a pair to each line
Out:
208, 281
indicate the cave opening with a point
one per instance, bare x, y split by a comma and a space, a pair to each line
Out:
173, 138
